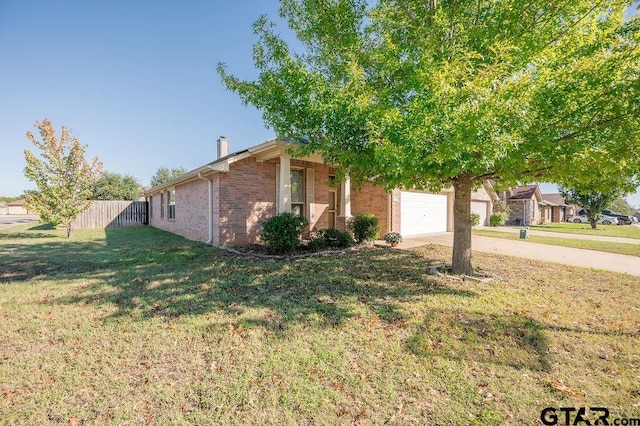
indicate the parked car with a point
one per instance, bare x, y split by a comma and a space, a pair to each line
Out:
623, 219
605, 220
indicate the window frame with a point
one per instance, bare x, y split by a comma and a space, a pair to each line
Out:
171, 204
300, 204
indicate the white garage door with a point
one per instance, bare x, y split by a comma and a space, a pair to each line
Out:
480, 207
422, 213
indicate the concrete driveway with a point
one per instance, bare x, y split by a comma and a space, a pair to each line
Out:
9, 220
527, 250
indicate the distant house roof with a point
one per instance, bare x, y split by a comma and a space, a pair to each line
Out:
555, 199
523, 192
17, 203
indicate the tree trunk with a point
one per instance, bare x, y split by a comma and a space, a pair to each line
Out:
461, 263
69, 230
594, 223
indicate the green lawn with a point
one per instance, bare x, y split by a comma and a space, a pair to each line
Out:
138, 326
619, 248
626, 231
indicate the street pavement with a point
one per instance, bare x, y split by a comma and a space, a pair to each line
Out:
9, 220
516, 230
528, 250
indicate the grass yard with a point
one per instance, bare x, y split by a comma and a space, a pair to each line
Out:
625, 231
138, 326
619, 248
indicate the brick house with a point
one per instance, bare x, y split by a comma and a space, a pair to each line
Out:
557, 207
526, 204
225, 202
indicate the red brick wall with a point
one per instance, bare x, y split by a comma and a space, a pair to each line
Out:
372, 199
191, 211
247, 197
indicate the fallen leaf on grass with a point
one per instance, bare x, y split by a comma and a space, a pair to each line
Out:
557, 385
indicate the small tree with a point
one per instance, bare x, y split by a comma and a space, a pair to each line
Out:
501, 213
593, 202
114, 186
63, 177
621, 205
164, 175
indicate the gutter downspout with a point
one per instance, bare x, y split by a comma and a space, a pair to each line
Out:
209, 190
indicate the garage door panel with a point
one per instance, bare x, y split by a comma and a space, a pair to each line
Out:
422, 213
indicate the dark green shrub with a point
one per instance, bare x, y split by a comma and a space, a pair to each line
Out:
475, 219
345, 240
365, 227
281, 233
317, 241
321, 239
498, 219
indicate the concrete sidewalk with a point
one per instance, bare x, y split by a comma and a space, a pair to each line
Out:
516, 230
527, 250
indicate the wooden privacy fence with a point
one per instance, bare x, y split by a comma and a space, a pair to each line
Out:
113, 214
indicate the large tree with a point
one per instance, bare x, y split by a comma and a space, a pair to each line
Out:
114, 186
428, 94
63, 177
165, 174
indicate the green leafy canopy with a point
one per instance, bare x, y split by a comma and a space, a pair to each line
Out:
164, 175
114, 186
422, 92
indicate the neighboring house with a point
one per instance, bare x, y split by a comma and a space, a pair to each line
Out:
526, 204
17, 207
225, 202
557, 209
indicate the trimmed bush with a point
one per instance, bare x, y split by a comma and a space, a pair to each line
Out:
475, 219
498, 219
365, 227
281, 233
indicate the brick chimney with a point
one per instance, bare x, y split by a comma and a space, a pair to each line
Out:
223, 147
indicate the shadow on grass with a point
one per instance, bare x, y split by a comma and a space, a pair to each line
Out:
146, 273
42, 227
511, 340
26, 234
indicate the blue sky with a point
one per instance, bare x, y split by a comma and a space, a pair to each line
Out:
135, 80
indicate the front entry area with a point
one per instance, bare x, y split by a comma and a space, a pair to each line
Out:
331, 209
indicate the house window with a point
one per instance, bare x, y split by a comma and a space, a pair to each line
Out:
172, 204
162, 205
297, 191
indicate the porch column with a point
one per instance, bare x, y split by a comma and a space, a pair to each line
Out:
284, 189
345, 203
